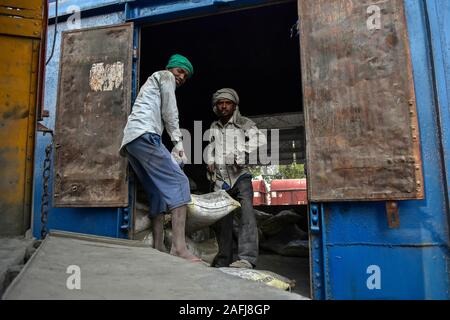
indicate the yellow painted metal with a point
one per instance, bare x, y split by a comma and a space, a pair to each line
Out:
20, 13
23, 4
19, 70
21, 26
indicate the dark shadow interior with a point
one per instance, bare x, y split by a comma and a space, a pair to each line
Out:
255, 51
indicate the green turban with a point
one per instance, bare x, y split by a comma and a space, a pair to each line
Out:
178, 61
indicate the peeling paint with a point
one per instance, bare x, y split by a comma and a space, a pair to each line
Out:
107, 77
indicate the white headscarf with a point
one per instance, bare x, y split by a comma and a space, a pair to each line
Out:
225, 93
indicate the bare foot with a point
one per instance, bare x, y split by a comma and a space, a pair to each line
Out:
185, 254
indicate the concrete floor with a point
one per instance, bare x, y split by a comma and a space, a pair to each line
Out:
116, 269
13, 251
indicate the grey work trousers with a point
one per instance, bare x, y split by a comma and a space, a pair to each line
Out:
247, 237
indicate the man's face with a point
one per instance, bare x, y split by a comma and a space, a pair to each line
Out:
225, 108
180, 75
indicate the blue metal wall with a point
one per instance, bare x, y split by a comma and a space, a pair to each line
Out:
348, 238
413, 260
98, 221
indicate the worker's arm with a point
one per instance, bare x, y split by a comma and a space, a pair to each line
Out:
169, 109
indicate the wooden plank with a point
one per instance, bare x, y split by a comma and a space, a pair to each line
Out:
360, 113
94, 100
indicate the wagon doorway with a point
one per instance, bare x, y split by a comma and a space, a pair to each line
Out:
255, 51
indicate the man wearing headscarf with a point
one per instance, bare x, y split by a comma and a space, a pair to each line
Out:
233, 141
166, 185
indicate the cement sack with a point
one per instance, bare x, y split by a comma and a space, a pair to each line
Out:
142, 221
290, 242
205, 250
206, 209
267, 277
275, 224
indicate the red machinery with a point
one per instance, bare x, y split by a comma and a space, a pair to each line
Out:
260, 194
288, 192
282, 192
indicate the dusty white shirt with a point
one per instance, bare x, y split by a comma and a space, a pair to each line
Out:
155, 108
229, 146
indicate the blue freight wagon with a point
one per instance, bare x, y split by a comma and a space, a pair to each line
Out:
371, 80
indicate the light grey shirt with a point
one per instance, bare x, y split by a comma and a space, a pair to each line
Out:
229, 145
154, 108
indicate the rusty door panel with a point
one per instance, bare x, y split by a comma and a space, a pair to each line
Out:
94, 100
19, 64
361, 121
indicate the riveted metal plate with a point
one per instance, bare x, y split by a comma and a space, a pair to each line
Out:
94, 100
360, 114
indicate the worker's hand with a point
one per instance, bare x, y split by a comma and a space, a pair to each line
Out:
179, 154
211, 167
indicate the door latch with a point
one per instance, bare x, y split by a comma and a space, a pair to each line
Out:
314, 218
392, 214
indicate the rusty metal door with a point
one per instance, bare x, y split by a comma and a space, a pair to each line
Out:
94, 100
360, 110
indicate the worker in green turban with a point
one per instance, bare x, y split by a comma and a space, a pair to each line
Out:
179, 61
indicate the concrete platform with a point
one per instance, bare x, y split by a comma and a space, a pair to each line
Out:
12, 255
123, 269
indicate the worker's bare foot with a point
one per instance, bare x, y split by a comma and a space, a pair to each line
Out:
185, 254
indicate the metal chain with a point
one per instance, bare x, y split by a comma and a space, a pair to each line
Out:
45, 193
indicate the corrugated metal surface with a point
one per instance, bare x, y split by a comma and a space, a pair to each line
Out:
259, 193
291, 135
288, 192
21, 30
361, 120
93, 105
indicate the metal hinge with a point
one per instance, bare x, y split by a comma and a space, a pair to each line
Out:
44, 129
392, 214
314, 217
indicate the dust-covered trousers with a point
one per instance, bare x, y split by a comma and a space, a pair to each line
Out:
247, 236
165, 184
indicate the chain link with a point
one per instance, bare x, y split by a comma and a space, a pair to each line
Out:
45, 193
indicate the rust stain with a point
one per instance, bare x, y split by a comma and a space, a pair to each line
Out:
16, 113
361, 130
93, 105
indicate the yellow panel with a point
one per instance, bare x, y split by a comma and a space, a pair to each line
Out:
24, 4
20, 27
18, 80
20, 13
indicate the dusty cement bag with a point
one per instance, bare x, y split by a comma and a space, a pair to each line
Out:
291, 241
275, 224
267, 277
141, 220
206, 209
